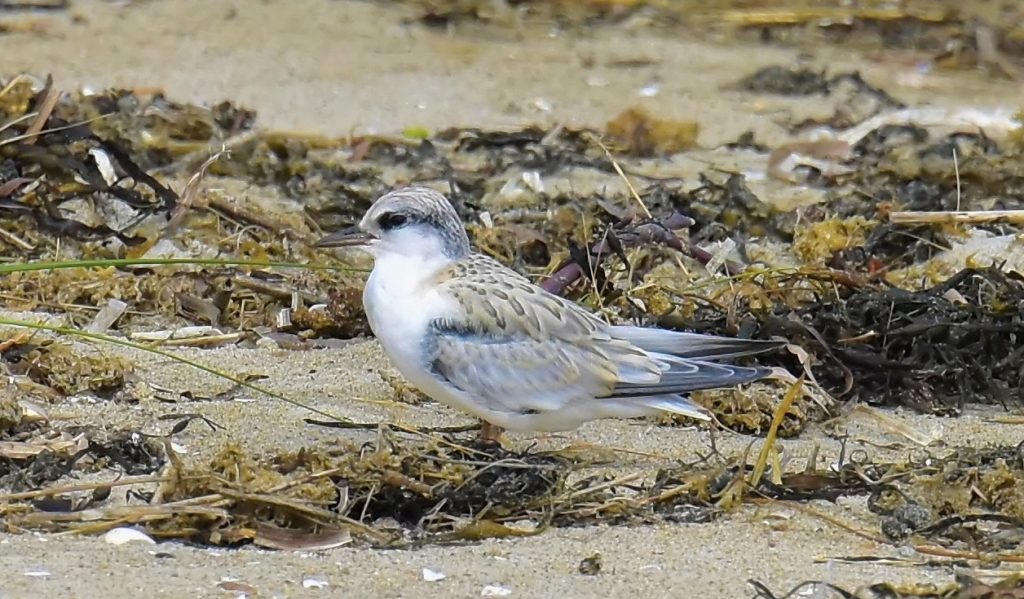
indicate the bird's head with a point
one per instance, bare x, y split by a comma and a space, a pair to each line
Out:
413, 222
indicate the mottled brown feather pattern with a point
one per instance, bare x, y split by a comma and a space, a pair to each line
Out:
483, 286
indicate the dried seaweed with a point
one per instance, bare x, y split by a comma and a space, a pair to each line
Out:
636, 132
970, 499
59, 367
127, 452
84, 184
66, 160
957, 35
334, 180
926, 348
963, 587
930, 349
395, 492
10, 411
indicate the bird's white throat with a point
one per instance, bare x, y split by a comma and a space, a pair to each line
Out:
399, 294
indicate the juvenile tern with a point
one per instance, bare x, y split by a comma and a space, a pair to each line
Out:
481, 338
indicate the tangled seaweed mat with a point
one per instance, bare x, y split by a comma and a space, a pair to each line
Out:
947, 28
964, 587
399, 492
844, 302
869, 339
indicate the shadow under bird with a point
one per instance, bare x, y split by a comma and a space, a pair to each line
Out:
481, 338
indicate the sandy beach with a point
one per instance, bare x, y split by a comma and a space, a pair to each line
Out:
337, 68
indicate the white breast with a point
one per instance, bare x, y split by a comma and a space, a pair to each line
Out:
400, 303
399, 306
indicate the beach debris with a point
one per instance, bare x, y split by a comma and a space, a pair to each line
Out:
874, 317
785, 81
194, 336
430, 575
66, 369
634, 131
107, 316
591, 566
285, 539
974, 217
495, 590
1008, 585
237, 586
315, 582
823, 156
124, 535
924, 348
895, 426
31, 412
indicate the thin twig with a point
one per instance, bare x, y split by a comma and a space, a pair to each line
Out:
190, 194
25, 136
618, 169
45, 110
975, 555
25, 117
16, 241
1015, 217
137, 480
240, 213
823, 516
956, 170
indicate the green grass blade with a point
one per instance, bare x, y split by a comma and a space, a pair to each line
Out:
166, 354
108, 262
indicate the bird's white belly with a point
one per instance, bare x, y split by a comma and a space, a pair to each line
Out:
399, 308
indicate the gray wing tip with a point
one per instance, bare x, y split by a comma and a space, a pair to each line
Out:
708, 375
767, 344
757, 372
695, 346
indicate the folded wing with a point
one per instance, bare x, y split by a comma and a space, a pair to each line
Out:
519, 349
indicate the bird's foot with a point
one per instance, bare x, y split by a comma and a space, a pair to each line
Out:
490, 434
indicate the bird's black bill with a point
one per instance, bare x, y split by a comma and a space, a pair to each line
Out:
349, 237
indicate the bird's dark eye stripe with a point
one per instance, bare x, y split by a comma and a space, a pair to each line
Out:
391, 220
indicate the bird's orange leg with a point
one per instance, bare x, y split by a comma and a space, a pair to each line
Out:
491, 433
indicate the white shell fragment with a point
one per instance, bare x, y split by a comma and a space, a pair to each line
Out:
432, 575
495, 590
31, 412
315, 583
533, 181
486, 219
124, 535
105, 165
720, 256
106, 317
650, 90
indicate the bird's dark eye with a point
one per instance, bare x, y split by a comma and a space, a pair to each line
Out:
391, 220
